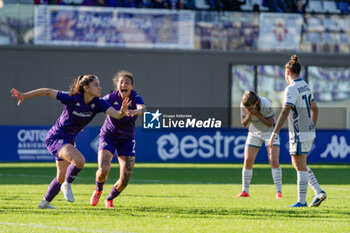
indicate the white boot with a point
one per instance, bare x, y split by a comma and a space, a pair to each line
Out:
45, 205
66, 189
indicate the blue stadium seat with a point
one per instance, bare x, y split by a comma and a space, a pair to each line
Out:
201, 5
330, 7
315, 7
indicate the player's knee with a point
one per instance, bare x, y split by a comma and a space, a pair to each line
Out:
79, 163
104, 170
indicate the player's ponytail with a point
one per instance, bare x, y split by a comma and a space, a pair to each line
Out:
78, 84
293, 65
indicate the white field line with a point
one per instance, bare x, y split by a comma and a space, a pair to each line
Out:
55, 227
154, 181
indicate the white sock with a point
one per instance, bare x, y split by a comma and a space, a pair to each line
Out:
246, 177
313, 182
277, 178
302, 186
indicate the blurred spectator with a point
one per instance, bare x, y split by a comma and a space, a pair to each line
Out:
256, 8
189, 4
119, 3
275, 5
232, 5
79, 2
300, 6
50, 2
343, 6
215, 5
159, 4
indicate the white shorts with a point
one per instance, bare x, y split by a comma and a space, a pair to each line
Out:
256, 140
300, 148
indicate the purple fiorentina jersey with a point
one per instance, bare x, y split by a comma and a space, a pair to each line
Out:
76, 114
124, 127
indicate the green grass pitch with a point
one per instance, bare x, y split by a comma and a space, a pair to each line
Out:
174, 198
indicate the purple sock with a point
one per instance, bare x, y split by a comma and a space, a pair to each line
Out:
53, 190
99, 186
114, 193
72, 172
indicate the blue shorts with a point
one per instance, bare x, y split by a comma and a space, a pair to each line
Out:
54, 144
124, 147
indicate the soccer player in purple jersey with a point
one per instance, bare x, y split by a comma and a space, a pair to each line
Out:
81, 105
118, 136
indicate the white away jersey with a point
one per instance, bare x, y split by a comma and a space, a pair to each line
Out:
255, 125
298, 95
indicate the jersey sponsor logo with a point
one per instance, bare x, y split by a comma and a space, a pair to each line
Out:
169, 146
337, 148
82, 114
77, 104
115, 103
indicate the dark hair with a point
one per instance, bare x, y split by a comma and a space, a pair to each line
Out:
249, 98
123, 73
293, 65
78, 84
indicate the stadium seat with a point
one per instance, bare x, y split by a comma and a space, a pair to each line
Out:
314, 7
330, 7
201, 5
247, 6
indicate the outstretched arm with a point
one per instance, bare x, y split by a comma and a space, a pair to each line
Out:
34, 93
119, 114
139, 111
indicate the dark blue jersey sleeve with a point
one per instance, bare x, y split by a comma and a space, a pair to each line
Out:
138, 100
65, 98
102, 105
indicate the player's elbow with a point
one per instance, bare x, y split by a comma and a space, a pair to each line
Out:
269, 124
314, 110
244, 125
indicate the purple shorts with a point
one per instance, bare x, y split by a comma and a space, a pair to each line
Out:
124, 147
54, 145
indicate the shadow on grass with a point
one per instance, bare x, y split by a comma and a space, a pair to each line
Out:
158, 175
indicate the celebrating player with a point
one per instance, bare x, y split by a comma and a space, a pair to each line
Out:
118, 136
301, 109
257, 114
81, 105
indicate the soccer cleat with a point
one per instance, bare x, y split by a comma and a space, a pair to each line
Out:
45, 205
318, 199
242, 194
95, 198
298, 204
278, 195
66, 189
109, 203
